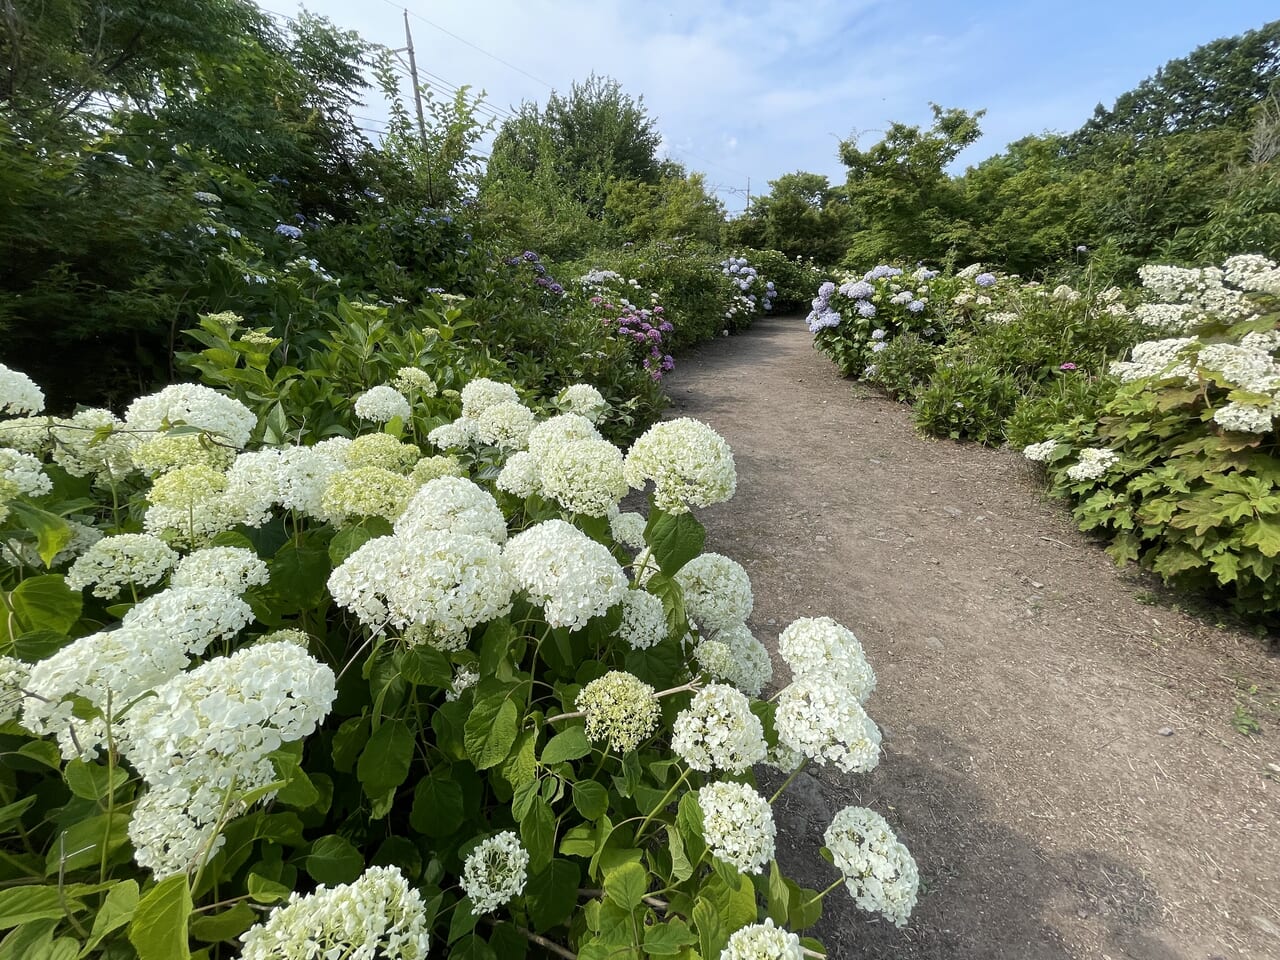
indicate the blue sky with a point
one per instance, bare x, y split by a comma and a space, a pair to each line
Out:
758, 89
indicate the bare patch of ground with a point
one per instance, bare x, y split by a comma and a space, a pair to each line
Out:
1063, 752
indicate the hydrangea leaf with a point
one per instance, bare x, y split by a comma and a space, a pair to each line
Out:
158, 930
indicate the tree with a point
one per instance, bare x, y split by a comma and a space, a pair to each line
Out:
583, 141
904, 202
802, 215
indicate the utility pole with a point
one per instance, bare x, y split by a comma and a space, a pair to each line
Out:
413, 75
748, 193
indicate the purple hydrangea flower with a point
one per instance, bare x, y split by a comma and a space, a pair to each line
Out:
288, 230
985, 279
826, 290
1068, 366
858, 291
821, 320
866, 309
530, 256
915, 306
555, 288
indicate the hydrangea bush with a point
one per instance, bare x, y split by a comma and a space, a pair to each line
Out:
1181, 469
356, 680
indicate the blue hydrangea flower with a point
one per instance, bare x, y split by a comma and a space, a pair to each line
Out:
826, 290
288, 230
821, 320
915, 306
866, 309
858, 291
985, 279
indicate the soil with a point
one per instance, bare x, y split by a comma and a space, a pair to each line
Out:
1063, 751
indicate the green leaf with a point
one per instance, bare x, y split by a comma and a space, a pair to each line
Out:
52, 532
591, 798
437, 806
490, 729
90, 780
681, 868
21, 904
348, 541
711, 933
81, 844
384, 762
626, 884
471, 947
1263, 533
11, 812
64, 948
116, 910
266, 890
805, 906
46, 603
569, 744
779, 898
225, 925
158, 930
334, 859
425, 666
350, 739
300, 575
674, 538
668, 939
538, 833
519, 767
552, 894
463, 920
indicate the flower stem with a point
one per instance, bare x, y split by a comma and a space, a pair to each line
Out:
813, 900
661, 804
786, 783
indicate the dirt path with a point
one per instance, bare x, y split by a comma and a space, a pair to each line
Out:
1059, 748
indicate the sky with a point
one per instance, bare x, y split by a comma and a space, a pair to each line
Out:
748, 91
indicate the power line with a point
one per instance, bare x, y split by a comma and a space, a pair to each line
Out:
464, 40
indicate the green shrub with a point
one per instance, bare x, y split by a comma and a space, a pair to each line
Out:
905, 366
1181, 469
966, 401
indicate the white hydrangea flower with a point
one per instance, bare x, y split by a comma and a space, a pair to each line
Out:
408, 379
736, 657
583, 476
689, 463
431, 468
21, 474
1040, 452
28, 434
584, 400
825, 722
365, 492
1093, 463
378, 915
446, 582
1244, 417
495, 872
193, 405
644, 620
1168, 317
213, 729
628, 529
718, 731
381, 450
1244, 365
818, 646
229, 568
562, 428
717, 591
1253, 273
13, 679
482, 393
167, 451
1155, 358
621, 709
879, 871
111, 669
762, 941
452, 504
464, 678
382, 404
505, 425
93, 441
190, 505
19, 393
128, 559
572, 577
453, 436
303, 475
519, 476
738, 825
